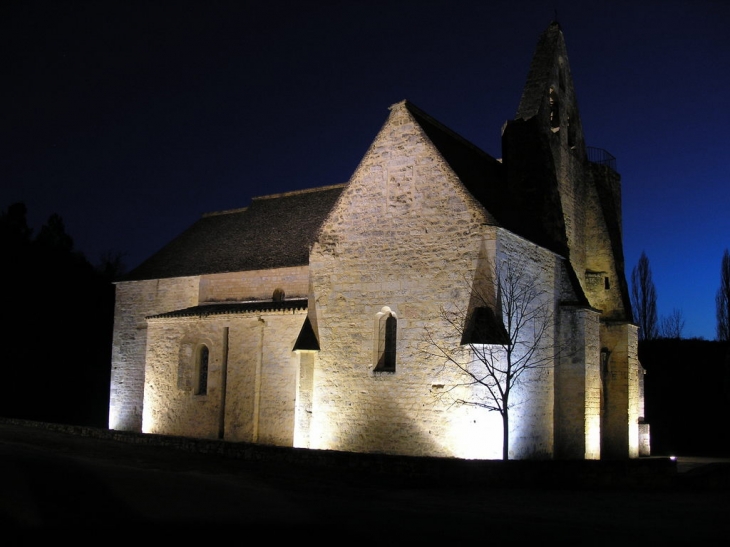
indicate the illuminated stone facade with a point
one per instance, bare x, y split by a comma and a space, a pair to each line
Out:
301, 320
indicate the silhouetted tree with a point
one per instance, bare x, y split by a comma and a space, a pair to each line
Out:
53, 235
643, 299
672, 325
722, 300
57, 314
505, 341
111, 265
14, 228
686, 428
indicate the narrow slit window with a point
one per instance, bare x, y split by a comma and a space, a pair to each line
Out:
571, 132
554, 111
201, 387
387, 334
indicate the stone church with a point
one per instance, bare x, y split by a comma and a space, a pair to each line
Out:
323, 318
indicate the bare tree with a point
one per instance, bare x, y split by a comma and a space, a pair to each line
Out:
672, 325
643, 299
111, 265
722, 300
506, 340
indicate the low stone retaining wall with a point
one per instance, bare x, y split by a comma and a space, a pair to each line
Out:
432, 472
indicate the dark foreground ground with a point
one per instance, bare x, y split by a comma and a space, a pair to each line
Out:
55, 484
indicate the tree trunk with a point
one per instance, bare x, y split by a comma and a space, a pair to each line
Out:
505, 436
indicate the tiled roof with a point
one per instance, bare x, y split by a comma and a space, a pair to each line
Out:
273, 232
206, 310
277, 231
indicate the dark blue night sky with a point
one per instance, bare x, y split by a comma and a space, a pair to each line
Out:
130, 119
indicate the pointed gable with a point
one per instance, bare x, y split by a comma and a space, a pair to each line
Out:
549, 94
414, 164
542, 71
479, 172
539, 146
557, 198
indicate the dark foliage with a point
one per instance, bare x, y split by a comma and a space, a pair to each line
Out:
722, 300
687, 396
57, 316
643, 299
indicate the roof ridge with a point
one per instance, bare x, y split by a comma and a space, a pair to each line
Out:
274, 196
302, 191
226, 212
413, 109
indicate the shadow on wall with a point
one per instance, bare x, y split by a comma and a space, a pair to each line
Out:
399, 433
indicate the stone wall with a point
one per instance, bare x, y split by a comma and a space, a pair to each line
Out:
605, 282
659, 473
252, 377
532, 404
254, 285
171, 353
621, 391
578, 385
279, 375
134, 302
137, 300
406, 235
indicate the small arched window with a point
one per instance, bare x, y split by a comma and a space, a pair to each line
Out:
387, 330
201, 369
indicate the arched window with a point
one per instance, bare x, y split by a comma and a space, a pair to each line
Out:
201, 368
387, 330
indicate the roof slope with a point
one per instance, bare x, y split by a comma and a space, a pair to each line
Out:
273, 232
277, 231
479, 172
